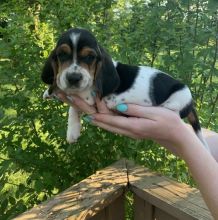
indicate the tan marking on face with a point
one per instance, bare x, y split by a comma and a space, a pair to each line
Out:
91, 68
63, 66
64, 48
87, 51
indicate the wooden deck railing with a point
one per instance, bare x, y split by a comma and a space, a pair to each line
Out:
101, 197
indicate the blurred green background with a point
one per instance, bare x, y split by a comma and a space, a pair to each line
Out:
179, 37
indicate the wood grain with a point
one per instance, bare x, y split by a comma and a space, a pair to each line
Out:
101, 197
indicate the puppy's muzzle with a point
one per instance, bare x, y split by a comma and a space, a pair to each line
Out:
73, 79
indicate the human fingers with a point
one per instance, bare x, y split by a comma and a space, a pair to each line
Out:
143, 130
161, 128
102, 107
132, 124
82, 105
151, 113
93, 119
76, 101
62, 97
135, 135
116, 130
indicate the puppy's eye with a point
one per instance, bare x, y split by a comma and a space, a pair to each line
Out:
87, 59
63, 56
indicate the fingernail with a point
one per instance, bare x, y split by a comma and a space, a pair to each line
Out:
70, 98
93, 93
122, 107
88, 118
56, 98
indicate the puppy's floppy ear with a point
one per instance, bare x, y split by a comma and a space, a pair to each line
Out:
49, 70
107, 79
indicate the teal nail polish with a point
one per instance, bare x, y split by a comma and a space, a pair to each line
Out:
93, 93
70, 98
88, 118
122, 107
56, 98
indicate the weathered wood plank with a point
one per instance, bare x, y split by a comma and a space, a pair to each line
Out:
139, 212
84, 199
142, 209
116, 210
176, 199
99, 216
100, 197
161, 215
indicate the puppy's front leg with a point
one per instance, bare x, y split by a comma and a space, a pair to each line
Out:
73, 128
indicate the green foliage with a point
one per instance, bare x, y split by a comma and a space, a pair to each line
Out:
180, 37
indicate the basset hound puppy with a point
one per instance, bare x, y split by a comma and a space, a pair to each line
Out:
79, 65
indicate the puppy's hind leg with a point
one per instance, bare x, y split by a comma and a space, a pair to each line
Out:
74, 126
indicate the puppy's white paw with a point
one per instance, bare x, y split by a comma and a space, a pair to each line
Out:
73, 133
71, 140
46, 95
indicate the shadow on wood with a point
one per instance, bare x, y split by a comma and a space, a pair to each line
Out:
101, 197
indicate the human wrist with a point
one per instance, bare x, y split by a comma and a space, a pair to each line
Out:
181, 139
188, 143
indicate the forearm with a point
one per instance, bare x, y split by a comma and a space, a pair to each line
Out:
166, 128
204, 170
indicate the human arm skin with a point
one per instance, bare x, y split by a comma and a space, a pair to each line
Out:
204, 170
166, 128
169, 130
211, 138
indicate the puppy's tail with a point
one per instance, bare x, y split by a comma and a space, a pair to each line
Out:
194, 121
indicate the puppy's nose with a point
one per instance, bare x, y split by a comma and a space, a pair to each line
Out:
74, 78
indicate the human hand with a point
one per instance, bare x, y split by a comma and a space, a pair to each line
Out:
138, 122
157, 123
75, 101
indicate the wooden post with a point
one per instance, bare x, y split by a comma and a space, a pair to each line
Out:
114, 211
142, 209
161, 215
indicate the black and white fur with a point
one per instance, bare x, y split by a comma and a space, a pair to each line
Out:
116, 83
